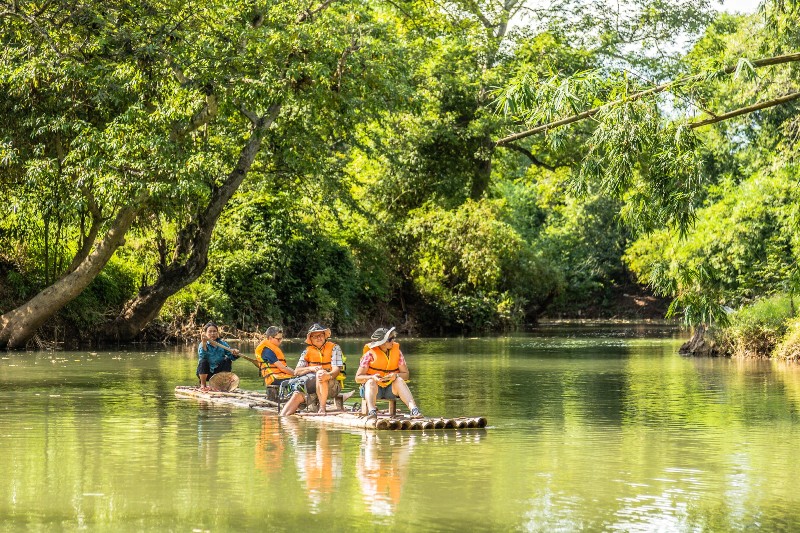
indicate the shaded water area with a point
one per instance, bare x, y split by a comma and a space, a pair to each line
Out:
602, 428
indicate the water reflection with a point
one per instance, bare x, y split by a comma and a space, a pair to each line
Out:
213, 422
318, 456
382, 468
269, 446
588, 433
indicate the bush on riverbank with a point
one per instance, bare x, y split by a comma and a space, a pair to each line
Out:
789, 348
756, 330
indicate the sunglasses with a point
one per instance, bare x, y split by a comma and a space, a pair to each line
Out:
278, 338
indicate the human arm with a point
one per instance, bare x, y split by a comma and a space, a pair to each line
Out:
230, 353
302, 367
337, 364
402, 369
363, 375
271, 358
401, 372
202, 349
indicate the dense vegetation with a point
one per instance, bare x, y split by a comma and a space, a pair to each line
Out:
353, 163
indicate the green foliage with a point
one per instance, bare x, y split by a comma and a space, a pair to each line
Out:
789, 346
378, 191
744, 246
475, 269
756, 329
108, 291
198, 303
276, 268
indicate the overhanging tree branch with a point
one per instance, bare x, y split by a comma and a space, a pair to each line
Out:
745, 110
529, 155
777, 60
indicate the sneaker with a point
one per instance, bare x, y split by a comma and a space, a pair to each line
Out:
373, 413
415, 413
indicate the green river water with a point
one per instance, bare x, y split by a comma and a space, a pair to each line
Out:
593, 428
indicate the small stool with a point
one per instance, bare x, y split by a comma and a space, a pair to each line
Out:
272, 393
392, 406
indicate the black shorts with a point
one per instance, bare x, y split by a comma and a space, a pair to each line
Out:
203, 367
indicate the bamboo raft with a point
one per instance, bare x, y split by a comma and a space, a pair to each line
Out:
335, 417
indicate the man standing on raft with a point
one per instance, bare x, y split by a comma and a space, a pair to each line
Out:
383, 373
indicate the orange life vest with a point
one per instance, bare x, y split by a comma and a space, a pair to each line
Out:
316, 357
269, 371
383, 363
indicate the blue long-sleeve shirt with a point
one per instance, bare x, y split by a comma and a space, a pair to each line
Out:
213, 354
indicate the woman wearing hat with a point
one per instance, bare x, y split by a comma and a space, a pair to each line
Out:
383, 373
325, 361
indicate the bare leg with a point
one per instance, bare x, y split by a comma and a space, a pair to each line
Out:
322, 394
370, 394
293, 403
203, 379
400, 388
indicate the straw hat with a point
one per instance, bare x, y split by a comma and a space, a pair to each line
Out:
223, 381
315, 328
381, 336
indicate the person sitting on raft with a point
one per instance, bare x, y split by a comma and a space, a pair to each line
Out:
382, 373
273, 363
213, 359
322, 361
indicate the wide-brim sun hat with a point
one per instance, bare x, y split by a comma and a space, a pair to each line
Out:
381, 336
316, 328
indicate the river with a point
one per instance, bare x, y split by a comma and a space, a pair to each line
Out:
591, 428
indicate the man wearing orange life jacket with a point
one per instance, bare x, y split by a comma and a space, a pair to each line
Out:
323, 362
383, 373
273, 363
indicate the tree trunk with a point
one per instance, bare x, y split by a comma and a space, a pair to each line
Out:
19, 325
482, 173
698, 344
191, 253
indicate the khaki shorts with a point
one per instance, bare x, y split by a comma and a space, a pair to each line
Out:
334, 387
312, 401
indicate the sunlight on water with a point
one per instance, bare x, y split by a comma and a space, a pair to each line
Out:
590, 428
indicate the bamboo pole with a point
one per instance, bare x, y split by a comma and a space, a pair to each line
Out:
229, 349
788, 58
745, 110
